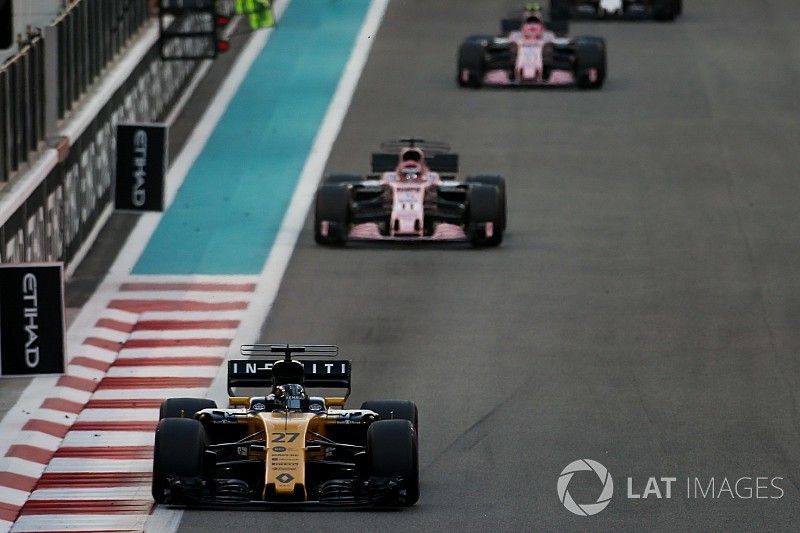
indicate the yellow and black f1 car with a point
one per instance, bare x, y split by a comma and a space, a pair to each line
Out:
283, 447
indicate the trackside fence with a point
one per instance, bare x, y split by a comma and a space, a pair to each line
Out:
90, 33
85, 38
22, 103
55, 219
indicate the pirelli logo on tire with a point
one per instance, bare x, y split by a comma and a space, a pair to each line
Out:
32, 319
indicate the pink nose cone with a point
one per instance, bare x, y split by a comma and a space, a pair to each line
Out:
533, 29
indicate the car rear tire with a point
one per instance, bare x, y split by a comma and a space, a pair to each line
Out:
395, 410
507, 25
500, 183
485, 206
559, 26
666, 10
333, 207
560, 9
179, 451
392, 451
590, 54
184, 407
471, 64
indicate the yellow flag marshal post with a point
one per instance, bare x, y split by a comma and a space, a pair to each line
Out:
259, 13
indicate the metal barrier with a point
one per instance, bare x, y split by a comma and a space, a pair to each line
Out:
55, 220
21, 106
89, 35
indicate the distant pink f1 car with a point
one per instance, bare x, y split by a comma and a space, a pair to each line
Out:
530, 53
663, 10
411, 195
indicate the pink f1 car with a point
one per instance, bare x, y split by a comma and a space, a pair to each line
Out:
662, 10
530, 53
412, 195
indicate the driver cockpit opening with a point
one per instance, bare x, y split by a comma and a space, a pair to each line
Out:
412, 154
288, 378
291, 397
287, 392
410, 171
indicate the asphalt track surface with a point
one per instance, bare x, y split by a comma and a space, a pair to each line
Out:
643, 309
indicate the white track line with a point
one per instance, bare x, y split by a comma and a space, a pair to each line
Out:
93, 352
78, 522
275, 266
175, 351
192, 315
226, 334
108, 334
113, 415
158, 371
70, 464
40, 440
13, 496
82, 439
85, 372
148, 394
203, 296
67, 393
58, 417
168, 520
21, 466
193, 278
106, 493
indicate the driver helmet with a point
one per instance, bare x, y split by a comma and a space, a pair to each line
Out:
533, 27
412, 154
292, 397
410, 171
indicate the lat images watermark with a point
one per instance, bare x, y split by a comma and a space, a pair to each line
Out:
585, 509
665, 487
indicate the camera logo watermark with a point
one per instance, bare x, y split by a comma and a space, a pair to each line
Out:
585, 509
690, 487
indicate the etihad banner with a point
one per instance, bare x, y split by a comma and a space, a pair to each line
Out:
32, 319
141, 167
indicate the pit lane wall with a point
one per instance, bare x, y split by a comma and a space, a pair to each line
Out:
50, 214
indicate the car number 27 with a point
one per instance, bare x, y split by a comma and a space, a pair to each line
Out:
285, 437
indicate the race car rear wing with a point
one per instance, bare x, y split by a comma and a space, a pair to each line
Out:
385, 162
288, 350
318, 373
514, 23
